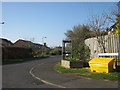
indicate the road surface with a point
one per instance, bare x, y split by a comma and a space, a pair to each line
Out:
40, 74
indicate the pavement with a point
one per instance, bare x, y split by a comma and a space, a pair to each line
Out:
45, 72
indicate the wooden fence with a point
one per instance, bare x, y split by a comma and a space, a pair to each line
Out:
110, 44
105, 44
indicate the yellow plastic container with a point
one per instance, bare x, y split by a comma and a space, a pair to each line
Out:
102, 65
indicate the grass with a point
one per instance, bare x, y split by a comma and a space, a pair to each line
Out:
85, 72
67, 70
114, 76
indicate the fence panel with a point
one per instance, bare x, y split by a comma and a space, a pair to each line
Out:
111, 44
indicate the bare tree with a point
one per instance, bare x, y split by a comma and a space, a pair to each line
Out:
99, 24
111, 15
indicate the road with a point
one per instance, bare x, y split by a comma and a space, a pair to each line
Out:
18, 75
40, 74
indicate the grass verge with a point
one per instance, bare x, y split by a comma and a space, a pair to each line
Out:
67, 70
114, 76
85, 72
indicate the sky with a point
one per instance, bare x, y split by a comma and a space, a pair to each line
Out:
36, 20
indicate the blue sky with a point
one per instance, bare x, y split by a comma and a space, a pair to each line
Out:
28, 20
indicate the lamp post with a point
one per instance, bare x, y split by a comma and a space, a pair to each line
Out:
43, 45
43, 39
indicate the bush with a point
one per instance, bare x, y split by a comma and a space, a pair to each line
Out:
55, 51
72, 59
82, 52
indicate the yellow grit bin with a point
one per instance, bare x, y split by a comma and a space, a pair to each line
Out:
102, 65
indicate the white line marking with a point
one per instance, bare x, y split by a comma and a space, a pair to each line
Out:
44, 80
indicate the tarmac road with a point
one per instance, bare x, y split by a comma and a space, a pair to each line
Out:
18, 75
40, 74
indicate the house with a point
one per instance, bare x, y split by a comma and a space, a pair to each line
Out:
5, 43
28, 44
113, 27
23, 44
116, 27
37, 47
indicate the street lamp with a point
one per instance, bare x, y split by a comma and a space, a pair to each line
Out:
43, 45
43, 39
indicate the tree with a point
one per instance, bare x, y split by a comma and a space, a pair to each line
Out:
77, 35
111, 14
117, 31
99, 24
118, 19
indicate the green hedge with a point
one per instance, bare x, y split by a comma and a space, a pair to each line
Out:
16, 53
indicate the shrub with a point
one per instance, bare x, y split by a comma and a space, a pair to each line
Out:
82, 52
56, 51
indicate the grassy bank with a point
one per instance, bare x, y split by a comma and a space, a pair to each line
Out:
85, 72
